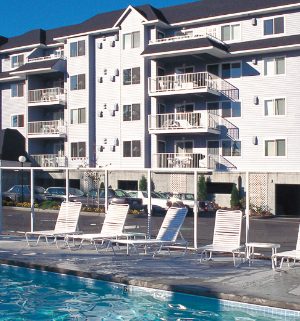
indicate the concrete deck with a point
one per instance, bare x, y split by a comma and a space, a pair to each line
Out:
257, 284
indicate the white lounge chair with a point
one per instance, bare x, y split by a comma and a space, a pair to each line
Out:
166, 237
66, 223
112, 228
293, 255
227, 235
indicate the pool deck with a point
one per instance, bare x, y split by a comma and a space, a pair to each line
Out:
257, 284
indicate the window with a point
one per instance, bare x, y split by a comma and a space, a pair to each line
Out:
273, 26
17, 61
231, 70
275, 147
231, 108
78, 116
131, 76
17, 90
131, 40
132, 148
77, 48
78, 82
275, 107
17, 120
78, 149
231, 32
131, 112
274, 66
231, 148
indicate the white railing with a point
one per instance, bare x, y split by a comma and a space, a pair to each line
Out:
50, 160
183, 121
194, 35
183, 82
55, 95
52, 56
180, 160
53, 127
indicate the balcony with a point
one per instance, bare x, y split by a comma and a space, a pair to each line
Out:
50, 160
178, 84
193, 160
47, 129
56, 55
47, 96
193, 122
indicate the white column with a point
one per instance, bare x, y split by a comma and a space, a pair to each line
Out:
106, 189
67, 185
196, 209
32, 200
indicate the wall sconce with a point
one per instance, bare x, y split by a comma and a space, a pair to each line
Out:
254, 61
116, 37
254, 21
117, 72
116, 141
254, 140
112, 43
112, 78
104, 140
100, 79
100, 45
100, 148
116, 106
112, 112
100, 113
104, 106
255, 100
112, 148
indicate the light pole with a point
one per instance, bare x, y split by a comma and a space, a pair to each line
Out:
22, 160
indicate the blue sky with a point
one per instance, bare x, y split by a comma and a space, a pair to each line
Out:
19, 16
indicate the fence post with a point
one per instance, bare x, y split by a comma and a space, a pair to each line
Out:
149, 228
247, 210
196, 208
32, 200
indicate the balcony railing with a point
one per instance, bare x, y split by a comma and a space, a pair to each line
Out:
192, 121
50, 160
193, 160
52, 56
53, 127
205, 33
54, 95
203, 81
180, 160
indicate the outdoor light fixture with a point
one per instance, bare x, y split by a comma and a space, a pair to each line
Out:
22, 160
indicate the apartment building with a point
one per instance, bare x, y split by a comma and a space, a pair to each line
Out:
208, 85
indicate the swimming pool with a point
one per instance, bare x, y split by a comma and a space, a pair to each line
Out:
27, 294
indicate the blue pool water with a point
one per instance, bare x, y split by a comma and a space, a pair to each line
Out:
34, 295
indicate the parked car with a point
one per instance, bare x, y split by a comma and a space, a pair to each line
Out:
158, 202
15, 194
59, 193
96, 197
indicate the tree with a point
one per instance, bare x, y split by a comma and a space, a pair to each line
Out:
143, 184
202, 190
235, 197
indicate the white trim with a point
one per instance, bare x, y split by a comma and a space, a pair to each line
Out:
30, 70
22, 48
128, 9
238, 14
267, 49
95, 32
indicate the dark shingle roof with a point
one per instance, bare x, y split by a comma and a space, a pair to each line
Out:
212, 8
44, 64
265, 43
175, 14
37, 36
183, 45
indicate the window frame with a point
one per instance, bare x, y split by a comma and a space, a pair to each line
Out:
130, 152
78, 118
19, 90
130, 76
77, 82
20, 121
276, 147
232, 142
19, 62
78, 146
130, 112
79, 50
274, 66
132, 40
274, 99
273, 26
230, 25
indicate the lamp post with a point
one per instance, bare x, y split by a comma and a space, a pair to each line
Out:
22, 160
